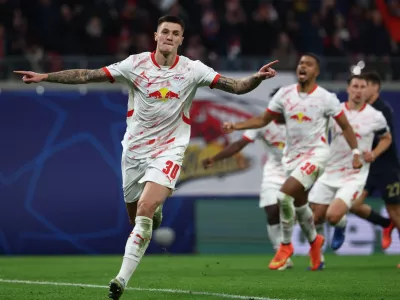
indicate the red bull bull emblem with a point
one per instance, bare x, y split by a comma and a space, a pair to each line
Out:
163, 94
279, 145
300, 118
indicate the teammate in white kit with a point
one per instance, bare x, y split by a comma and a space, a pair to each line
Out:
162, 86
273, 137
306, 108
332, 195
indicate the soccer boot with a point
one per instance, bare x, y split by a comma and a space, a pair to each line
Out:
281, 257
387, 236
116, 289
157, 217
315, 252
338, 238
321, 265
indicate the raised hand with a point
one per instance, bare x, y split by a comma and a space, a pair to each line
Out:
31, 77
266, 71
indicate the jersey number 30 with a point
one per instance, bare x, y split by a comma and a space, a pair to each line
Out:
171, 169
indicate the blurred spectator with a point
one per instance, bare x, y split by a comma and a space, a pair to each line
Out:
285, 52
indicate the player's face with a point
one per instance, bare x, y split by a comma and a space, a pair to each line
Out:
169, 37
307, 69
357, 90
371, 90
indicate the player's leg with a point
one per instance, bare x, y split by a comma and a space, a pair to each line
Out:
292, 200
391, 196
336, 214
268, 200
320, 197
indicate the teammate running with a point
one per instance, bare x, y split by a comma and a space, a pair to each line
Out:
335, 191
306, 108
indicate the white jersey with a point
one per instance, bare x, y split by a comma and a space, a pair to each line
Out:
160, 98
273, 137
307, 117
366, 122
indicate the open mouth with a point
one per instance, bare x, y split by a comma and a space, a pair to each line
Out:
302, 73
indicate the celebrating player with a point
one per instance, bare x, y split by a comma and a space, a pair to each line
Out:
384, 175
273, 137
306, 108
162, 86
334, 192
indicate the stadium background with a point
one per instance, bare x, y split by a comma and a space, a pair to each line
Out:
59, 165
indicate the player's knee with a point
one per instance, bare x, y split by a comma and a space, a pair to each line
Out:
333, 217
272, 212
146, 207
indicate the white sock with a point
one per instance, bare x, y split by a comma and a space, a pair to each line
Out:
342, 223
135, 248
306, 221
274, 235
320, 228
286, 214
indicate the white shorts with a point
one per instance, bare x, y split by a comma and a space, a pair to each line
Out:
308, 171
269, 194
163, 170
324, 194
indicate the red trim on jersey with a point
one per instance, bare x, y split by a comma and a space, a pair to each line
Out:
323, 139
311, 91
339, 114
186, 119
361, 109
153, 59
214, 82
110, 77
247, 139
175, 62
129, 113
273, 112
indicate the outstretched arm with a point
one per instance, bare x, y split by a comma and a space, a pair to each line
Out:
74, 76
252, 123
229, 151
247, 84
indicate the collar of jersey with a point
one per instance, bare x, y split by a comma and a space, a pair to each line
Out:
362, 108
153, 59
310, 92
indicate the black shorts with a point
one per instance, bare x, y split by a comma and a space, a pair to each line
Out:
387, 184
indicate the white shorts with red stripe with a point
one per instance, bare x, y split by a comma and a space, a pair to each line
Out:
308, 168
163, 170
324, 194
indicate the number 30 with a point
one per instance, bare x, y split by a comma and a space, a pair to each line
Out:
171, 169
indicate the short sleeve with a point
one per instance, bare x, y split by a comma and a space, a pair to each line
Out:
333, 107
120, 71
205, 76
251, 134
380, 125
275, 106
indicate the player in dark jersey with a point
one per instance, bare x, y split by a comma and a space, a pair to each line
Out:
384, 175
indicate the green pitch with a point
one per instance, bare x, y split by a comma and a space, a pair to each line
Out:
199, 277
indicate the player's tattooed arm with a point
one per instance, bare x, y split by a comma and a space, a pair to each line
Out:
77, 76
238, 86
74, 76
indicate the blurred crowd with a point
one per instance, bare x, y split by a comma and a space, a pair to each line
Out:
217, 30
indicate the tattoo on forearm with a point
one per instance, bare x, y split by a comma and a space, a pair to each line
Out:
237, 86
77, 76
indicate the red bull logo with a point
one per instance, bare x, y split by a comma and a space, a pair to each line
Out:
163, 94
300, 118
279, 145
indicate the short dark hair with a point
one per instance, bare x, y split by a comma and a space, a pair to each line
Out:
373, 77
315, 56
355, 76
171, 19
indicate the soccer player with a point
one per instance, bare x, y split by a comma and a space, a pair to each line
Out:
334, 192
306, 108
384, 175
162, 86
273, 137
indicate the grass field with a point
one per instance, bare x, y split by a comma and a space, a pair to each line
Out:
199, 277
